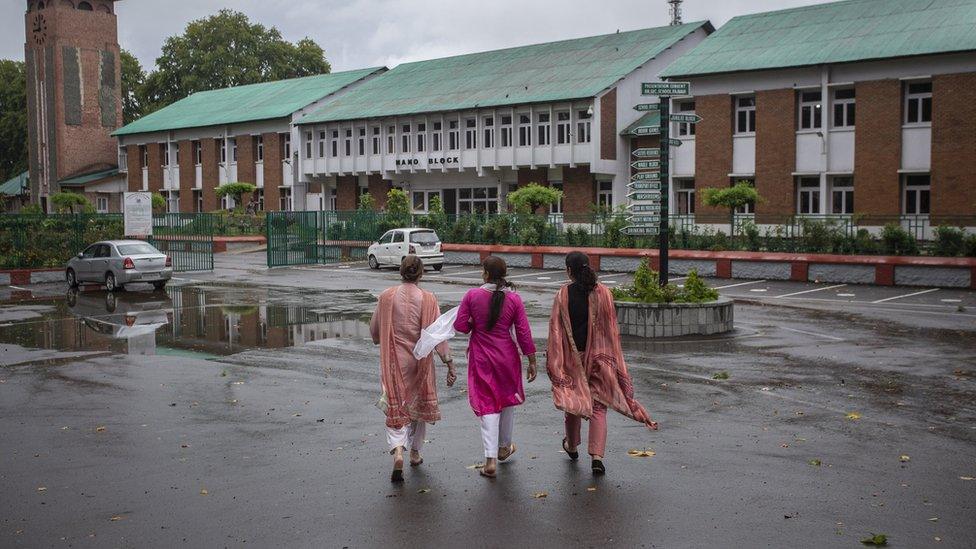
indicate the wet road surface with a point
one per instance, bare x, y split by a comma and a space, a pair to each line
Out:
236, 409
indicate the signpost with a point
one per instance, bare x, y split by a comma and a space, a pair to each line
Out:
646, 176
689, 118
646, 107
645, 185
646, 130
666, 89
636, 230
646, 153
646, 164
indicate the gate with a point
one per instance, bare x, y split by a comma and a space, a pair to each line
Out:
293, 238
188, 238
303, 238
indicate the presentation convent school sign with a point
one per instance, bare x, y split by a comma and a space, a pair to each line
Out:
138, 214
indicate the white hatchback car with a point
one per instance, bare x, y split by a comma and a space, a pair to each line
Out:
394, 245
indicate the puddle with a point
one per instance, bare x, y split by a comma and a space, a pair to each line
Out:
182, 321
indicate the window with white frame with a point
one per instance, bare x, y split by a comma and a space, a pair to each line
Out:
506, 131
684, 196
811, 110
322, 144
478, 200
362, 142
583, 126
452, 135
286, 145
525, 130
101, 204
166, 154
684, 129
144, 150
348, 142
176, 153
918, 102
198, 200
259, 144
123, 158
405, 138
421, 137
604, 194
470, 133
844, 108
543, 129
808, 196
173, 202
198, 152
842, 195
435, 137
335, 143
421, 200
333, 198
488, 124
562, 127
284, 202
233, 149
745, 115
917, 194
223, 151
749, 208
391, 140
308, 144
259, 200
376, 140
556, 207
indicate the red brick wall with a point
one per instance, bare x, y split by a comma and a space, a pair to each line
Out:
877, 148
273, 151
378, 188
346, 191
188, 177
713, 150
134, 167
579, 192
155, 166
210, 151
246, 169
608, 125
953, 145
775, 154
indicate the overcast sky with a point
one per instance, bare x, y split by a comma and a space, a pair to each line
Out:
362, 33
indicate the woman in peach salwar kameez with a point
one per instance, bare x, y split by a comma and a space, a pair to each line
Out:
585, 361
409, 387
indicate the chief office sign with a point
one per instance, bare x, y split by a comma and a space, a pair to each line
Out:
137, 213
666, 89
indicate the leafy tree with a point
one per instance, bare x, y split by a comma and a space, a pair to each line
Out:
13, 119
533, 197
66, 202
226, 50
158, 202
235, 190
133, 80
734, 197
397, 208
366, 202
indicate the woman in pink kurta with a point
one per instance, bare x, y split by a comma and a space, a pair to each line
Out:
409, 388
489, 314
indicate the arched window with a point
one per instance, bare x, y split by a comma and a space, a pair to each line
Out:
86, 6
40, 5
105, 8
67, 4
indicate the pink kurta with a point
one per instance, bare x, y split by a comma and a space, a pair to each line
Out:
409, 385
494, 363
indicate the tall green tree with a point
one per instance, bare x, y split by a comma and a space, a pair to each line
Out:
226, 50
133, 80
13, 119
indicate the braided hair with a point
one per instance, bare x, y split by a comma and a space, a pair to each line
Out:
496, 269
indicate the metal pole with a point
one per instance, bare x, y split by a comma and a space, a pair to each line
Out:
664, 231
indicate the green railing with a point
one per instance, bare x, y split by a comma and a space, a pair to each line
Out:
187, 238
293, 238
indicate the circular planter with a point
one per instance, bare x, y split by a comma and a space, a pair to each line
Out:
657, 320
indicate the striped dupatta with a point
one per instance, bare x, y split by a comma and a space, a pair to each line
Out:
600, 372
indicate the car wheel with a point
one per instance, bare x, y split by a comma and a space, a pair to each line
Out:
111, 285
110, 303
72, 279
72, 297
373, 264
159, 285
438, 267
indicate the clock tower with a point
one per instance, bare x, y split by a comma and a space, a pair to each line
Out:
73, 92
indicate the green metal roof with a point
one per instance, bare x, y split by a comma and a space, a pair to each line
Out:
838, 32
16, 185
80, 180
245, 103
652, 119
568, 69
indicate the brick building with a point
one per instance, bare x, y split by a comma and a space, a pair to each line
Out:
861, 108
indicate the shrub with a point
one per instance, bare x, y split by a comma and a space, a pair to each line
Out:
397, 209
750, 232
647, 289
969, 246
732, 198
532, 197
366, 202
696, 290
236, 191
32, 209
158, 203
949, 241
897, 241
67, 202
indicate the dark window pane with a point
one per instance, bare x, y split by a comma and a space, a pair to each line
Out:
924, 87
742, 121
837, 202
910, 207
912, 110
752, 121
927, 109
923, 202
850, 114
838, 115
850, 202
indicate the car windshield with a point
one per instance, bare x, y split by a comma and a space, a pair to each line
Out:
424, 237
140, 248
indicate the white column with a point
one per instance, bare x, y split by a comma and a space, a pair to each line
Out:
824, 127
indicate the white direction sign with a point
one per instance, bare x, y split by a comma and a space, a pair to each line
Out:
639, 219
646, 153
688, 118
635, 230
666, 88
645, 185
646, 176
137, 213
645, 107
673, 142
646, 164
651, 206
644, 196
646, 130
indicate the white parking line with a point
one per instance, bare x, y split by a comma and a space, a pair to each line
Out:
906, 295
812, 333
809, 291
739, 284
536, 274
448, 275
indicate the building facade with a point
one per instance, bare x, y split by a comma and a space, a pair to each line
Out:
863, 108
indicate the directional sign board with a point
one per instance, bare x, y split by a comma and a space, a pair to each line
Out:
646, 153
665, 88
645, 185
645, 107
646, 130
673, 142
688, 118
646, 164
639, 219
635, 230
646, 176
644, 196
651, 206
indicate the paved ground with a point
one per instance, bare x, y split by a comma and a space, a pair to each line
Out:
236, 410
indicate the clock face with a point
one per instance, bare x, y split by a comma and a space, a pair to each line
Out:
39, 29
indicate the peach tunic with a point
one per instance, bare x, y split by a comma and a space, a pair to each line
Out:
409, 385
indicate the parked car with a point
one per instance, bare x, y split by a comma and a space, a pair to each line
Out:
394, 245
116, 263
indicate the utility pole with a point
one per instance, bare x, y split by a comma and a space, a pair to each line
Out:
675, 6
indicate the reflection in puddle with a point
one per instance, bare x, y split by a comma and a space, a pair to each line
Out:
182, 321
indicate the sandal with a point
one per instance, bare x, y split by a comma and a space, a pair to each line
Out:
397, 475
508, 452
572, 455
485, 472
418, 461
598, 468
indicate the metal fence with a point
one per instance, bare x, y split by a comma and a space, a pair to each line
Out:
187, 238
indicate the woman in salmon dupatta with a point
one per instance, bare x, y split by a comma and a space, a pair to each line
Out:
585, 362
409, 387
491, 314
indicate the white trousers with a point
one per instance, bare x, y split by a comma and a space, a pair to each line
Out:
410, 436
496, 430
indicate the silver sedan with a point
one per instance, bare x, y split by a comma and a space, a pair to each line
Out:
116, 263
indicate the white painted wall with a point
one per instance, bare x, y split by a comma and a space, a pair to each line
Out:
809, 152
840, 154
916, 148
744, 154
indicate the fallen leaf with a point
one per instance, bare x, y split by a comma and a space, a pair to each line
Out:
641, 453
99, 429
42, 488
967, 478
815, 462
785, 445
423, 490
204, 492
721, 375
116, 518
298, 415
320, 420
540, 495
904, 457
475, 466
937, 538
591, 489
853, 416
184, 445
237, 383
877, 540
934, 519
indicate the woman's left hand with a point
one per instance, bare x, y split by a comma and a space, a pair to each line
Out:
531, 372
451, 377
